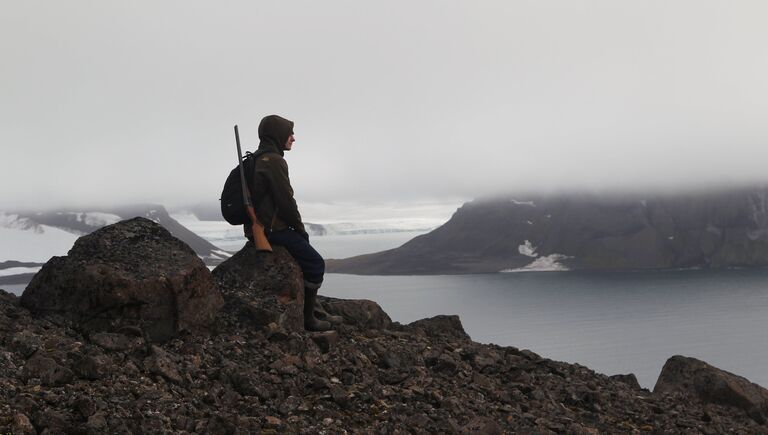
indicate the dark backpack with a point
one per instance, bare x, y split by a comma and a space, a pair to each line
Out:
232, 207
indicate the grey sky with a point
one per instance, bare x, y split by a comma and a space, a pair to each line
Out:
393, 100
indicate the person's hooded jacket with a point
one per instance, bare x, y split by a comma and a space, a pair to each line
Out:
270, 186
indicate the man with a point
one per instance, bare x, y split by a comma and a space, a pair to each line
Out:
276, 209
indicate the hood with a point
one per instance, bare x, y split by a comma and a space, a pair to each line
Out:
275, 130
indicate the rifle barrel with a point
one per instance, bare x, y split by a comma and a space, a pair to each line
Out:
246, 193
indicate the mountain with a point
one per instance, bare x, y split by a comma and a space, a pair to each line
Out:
722, 229
34, 237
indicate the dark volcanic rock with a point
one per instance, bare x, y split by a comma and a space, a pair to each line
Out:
628, 232
132, 273
441, 325
367, 376
326, 340
47, 370
712, 385
629, 379
360, 312
263, 288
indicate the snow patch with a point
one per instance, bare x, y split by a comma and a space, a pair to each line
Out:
18, 270
185, 216
527, 249
220, 233
15, 222
97, 219
550, 263
218, 254
529, 222
23, 240
530, 203
756, 234
379, 226
714, 230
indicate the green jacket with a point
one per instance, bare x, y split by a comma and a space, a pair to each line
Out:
272, 193
270, 185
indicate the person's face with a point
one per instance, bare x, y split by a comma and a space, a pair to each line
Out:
289, 143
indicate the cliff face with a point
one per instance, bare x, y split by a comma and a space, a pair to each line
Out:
715, 230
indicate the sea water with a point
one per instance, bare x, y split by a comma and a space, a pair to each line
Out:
613, 323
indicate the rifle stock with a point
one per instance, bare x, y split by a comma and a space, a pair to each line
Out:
257, 229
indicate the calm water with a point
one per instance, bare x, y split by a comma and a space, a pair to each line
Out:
613, 323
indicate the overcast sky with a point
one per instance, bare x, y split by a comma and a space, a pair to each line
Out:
124, 101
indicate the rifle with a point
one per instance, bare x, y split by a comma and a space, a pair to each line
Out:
257, 229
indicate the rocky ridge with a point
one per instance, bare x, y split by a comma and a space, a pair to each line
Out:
254, 371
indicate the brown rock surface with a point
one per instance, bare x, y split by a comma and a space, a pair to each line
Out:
712, 385
360, 312
400, 379
263, 288
257, 371
132, 273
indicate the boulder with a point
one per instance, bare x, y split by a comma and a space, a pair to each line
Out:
629, 379
448, 325
93, 366
712, 385
266, 290
47, 370
262, 288
22, 425
130, 274
362, 313
326, 340
161, 363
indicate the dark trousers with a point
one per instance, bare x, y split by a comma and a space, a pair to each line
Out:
311, 263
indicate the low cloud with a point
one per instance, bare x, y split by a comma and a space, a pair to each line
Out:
112, 104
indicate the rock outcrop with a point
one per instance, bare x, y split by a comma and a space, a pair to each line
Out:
257, 371
426, 377
585, 232
267, 290
709, 384
263, 288
360, 312
132, 274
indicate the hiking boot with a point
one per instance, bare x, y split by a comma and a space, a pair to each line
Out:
310, 322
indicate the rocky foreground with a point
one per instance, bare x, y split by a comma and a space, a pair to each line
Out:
68, 367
